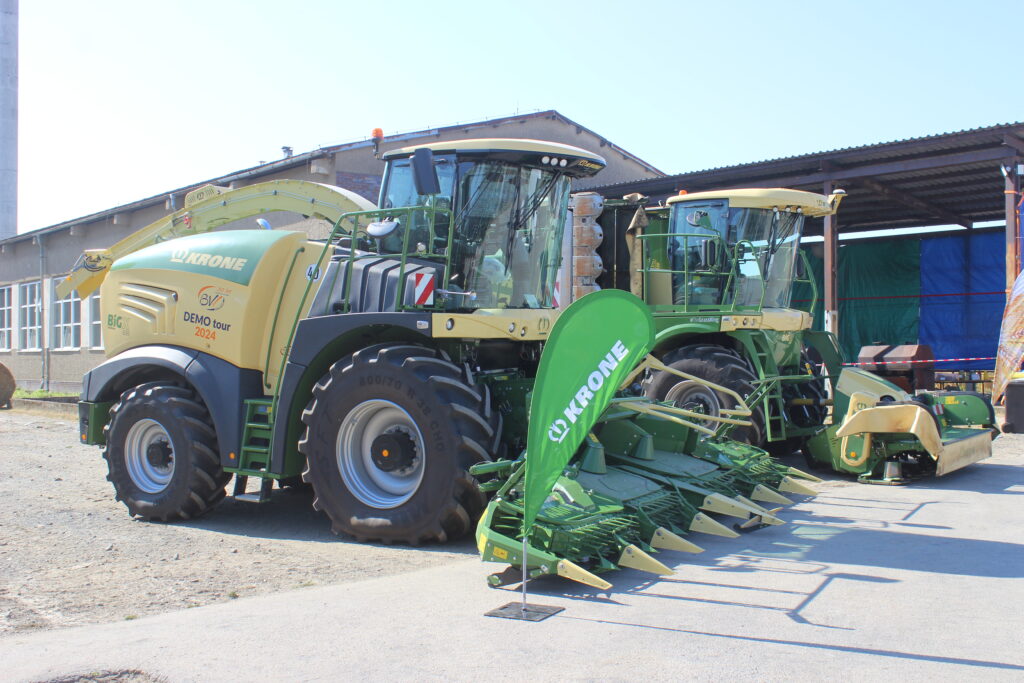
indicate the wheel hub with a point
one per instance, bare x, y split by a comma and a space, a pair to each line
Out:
380, 481
158, 454
393, 452
694, 397
149, 456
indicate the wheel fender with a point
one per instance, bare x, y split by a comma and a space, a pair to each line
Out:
100, 382
223, 387
679, 335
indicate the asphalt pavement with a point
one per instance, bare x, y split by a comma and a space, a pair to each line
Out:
915, 583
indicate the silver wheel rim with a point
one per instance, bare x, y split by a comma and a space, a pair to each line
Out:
367, 482
695, 397
145, 474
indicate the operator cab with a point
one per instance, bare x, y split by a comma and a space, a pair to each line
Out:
492, 210
738, 247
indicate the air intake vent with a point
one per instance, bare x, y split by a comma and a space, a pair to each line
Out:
153, 305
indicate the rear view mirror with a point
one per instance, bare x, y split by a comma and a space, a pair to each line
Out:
708, 254
424, 177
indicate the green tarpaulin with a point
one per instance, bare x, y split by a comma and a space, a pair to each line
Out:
880, 287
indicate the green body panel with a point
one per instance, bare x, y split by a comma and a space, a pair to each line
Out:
231, 256
673, 329
511, 394
962, 408
827, 346
959, 417
92, 419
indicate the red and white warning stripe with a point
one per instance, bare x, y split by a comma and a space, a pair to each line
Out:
424, 289
902, 362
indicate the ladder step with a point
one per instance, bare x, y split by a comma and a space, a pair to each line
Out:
263, 496
250, 498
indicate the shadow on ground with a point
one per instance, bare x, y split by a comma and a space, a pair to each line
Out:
289, 515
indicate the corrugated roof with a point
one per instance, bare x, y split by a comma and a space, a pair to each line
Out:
929, 180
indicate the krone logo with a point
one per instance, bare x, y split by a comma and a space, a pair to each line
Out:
198, 258
559, 428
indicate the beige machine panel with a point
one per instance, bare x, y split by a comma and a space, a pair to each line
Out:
247, 325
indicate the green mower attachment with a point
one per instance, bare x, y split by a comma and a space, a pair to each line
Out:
886, 436
644, 478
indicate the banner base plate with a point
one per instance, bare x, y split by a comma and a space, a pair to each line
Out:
514, 610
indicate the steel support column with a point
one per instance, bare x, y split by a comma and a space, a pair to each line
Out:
831, 266
1011, 190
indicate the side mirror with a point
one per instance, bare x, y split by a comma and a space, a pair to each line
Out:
424, 177
801, 270
708, 254
380, 229
834, 199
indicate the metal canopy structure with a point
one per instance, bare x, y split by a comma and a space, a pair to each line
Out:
960, 178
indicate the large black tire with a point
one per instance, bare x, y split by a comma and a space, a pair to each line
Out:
390, 434
716, 364
162, 455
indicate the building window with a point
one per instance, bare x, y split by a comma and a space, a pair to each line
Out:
67, 320
95, 327
30, 328
6, 319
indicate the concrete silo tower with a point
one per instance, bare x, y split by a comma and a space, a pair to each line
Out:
8, 118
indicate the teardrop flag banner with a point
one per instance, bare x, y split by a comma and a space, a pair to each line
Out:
1011, 340
594, 345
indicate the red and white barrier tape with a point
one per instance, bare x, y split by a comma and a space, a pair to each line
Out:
937, 360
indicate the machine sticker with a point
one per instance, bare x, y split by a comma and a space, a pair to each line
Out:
500, 553
199, 258
118, 322
589, 164
206, 327
212, 297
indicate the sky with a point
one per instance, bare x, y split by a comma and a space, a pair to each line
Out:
122, 100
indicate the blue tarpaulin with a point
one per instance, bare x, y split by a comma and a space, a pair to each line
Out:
962, 297
958, 307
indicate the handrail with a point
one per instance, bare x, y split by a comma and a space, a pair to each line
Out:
739, 249
810, 279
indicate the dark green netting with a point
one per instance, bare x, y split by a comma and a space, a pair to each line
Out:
880, 285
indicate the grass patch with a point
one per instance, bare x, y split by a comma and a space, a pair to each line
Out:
39, 393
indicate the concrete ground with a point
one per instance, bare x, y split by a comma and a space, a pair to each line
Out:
917, 583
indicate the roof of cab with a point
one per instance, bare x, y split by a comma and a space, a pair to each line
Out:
763, 198
500, 145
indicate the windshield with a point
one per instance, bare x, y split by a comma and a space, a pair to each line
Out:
775, 236
766, 264
509, 220
507, 245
